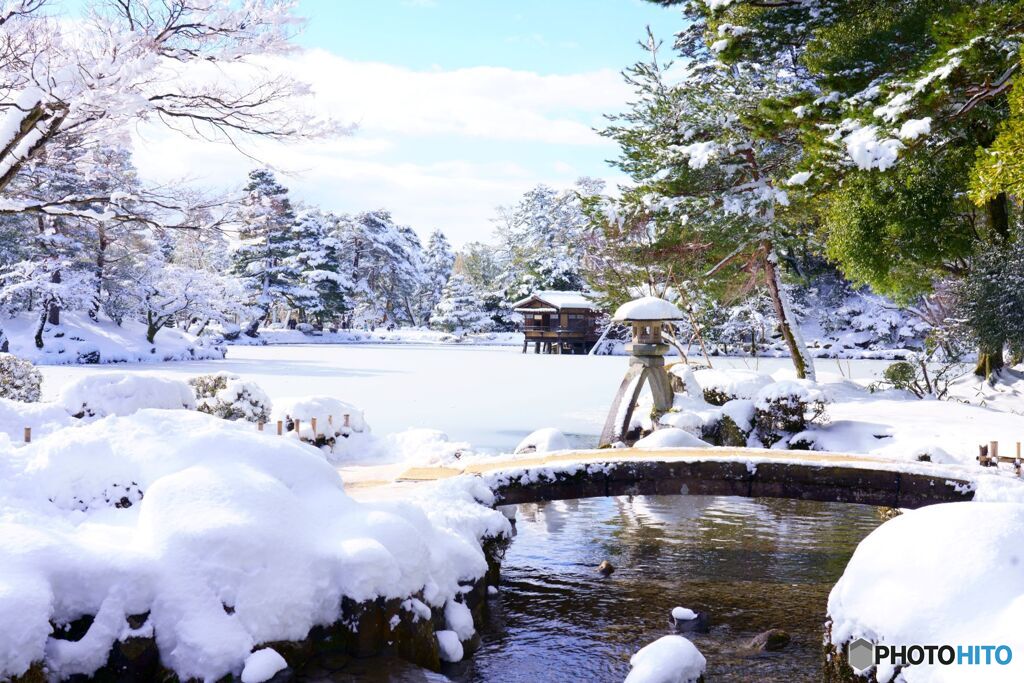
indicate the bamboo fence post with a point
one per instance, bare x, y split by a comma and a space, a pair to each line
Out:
993, 451
298, 426
280, 427
28, 435
312, 426
346, 420
259, 425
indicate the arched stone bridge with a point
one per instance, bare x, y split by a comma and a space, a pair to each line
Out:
801, 475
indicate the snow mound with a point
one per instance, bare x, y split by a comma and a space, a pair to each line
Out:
543, 441
326, 410
123, 394
951, 573
648, 308
670, 659
262, 665
226, 537
670, 437
229, 397
43, 418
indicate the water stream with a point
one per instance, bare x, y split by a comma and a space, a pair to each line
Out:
751, 564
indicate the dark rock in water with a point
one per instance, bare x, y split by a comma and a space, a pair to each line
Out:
699, 624
605, 568
771, 640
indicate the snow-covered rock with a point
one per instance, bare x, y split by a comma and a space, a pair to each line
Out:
683, 614
225, 517
669, 659
943, 574
543, 441
114, 393
648, 308
262, 665
450, 646
670, 437
725, 385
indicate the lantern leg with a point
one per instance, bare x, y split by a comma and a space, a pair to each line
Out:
621, 413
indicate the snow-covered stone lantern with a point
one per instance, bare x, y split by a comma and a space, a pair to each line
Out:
646, 364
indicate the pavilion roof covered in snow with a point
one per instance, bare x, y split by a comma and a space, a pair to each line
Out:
555, 301
559, 322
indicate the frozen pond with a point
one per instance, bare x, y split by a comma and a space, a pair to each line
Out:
488, 396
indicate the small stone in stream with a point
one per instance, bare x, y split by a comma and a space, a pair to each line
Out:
771, 640
605, 568
699, 624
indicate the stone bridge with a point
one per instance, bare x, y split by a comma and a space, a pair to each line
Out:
801, 475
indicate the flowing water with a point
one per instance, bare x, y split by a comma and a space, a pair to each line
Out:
751, 564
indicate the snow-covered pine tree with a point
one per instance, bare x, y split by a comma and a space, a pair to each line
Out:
317, 262
711, 172
460, 310
437, 268
261, 260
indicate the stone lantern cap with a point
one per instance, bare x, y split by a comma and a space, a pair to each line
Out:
647, 308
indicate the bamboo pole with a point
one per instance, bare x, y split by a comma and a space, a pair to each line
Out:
28, 435
312, 426
346, 420
298, 426
280, 427
993, 450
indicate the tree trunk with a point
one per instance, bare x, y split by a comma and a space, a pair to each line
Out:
802, 361
44, 314
5, 344
990, 360
999, 218
101, 265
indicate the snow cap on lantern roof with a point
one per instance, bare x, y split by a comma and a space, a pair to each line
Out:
647, 308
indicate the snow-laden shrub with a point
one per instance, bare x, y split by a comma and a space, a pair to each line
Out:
19, 379
230, 397
722, 386
124, 394
340, 426
784, 408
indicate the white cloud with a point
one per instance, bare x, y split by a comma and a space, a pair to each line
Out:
417, 148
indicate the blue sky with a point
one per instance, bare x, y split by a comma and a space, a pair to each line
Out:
461, 105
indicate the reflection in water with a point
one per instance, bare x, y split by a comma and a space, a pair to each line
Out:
751, 564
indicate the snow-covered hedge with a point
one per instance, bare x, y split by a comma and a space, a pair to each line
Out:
229, 397
19, 379
124, 394
341, 429
233, 539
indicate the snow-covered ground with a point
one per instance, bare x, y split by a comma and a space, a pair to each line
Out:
79, 339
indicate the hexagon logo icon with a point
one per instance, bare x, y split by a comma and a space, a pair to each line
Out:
860, 654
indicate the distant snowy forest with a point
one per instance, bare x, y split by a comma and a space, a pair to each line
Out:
817, 206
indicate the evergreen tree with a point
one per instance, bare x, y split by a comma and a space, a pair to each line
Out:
437, 268
316, 261
460, 309
267, 240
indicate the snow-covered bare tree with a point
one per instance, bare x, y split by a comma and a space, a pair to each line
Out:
184, 64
